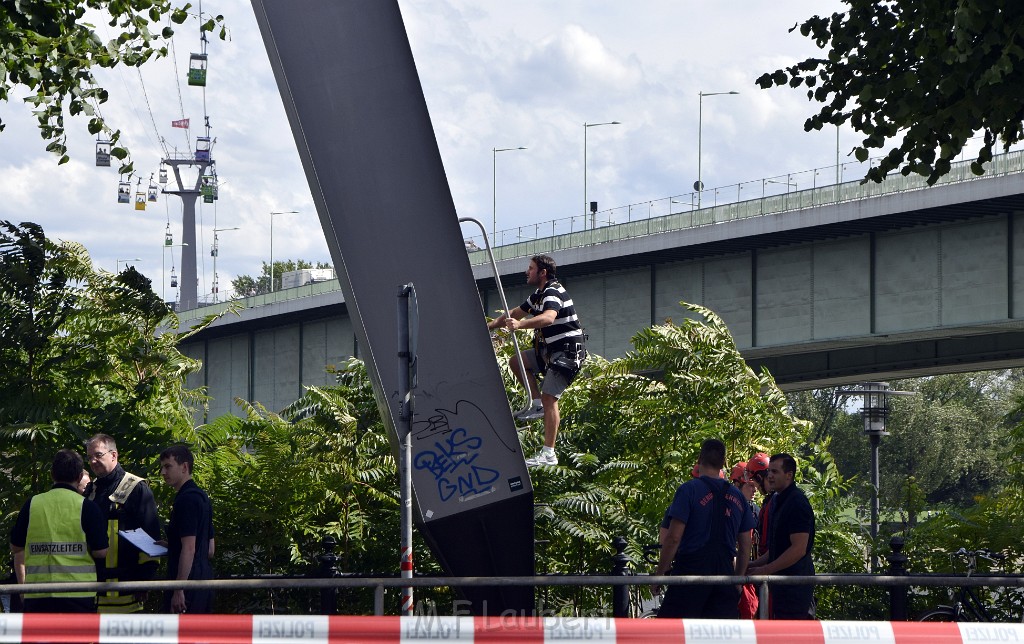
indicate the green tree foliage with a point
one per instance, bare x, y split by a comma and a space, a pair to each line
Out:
629, 440
247, 285
948, 472
49, 48
325, 467
949, 438
933, 72
322, 468
80, 354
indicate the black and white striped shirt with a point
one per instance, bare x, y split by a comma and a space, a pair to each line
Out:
566, 327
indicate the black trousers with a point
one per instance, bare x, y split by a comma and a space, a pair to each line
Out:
197, 602
699, 600
59, 605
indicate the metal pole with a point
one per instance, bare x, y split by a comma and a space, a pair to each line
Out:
585, 204
837, 156
278, 212
898, 595
875, 441
494, 195
699, 187
216, 251
405, 398
620, 567
504, 302
700, 131
494, 191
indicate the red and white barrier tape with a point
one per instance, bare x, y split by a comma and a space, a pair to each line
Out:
274, 629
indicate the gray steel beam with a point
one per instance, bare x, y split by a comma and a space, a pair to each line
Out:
353, 98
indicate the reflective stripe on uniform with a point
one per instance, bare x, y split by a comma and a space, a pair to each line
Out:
113, 601
55, 568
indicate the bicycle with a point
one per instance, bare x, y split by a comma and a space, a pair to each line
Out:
966, 606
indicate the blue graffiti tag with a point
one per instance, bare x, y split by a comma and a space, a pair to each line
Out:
451, 465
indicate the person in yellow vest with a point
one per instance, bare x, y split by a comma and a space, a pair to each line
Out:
56, 538
126, 503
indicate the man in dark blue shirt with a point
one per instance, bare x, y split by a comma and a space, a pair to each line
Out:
710, 521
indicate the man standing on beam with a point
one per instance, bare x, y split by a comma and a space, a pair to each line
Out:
558, 351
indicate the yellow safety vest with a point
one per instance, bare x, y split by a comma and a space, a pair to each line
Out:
56, 548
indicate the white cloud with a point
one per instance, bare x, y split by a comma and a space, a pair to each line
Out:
523, 73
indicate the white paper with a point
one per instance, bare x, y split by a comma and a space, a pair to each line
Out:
141, 540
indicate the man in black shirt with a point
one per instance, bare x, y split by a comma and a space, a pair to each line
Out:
190, 538
790, 542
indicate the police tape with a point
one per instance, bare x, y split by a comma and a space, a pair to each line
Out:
275, 629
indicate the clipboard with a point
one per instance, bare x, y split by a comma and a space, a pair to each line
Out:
141, 540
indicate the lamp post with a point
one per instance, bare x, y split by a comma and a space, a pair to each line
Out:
874, 412
586, 203
494, 191
163, 266
699, 185
117, 264
272, 214
214, 252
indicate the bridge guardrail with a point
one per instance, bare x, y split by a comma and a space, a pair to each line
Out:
738, 209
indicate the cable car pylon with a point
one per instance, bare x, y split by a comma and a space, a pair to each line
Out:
189, 194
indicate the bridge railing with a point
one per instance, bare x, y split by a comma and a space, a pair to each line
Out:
768, 196
898, 583
206, 307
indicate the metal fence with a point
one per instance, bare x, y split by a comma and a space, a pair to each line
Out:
901, 583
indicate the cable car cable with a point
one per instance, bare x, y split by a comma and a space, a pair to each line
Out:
177, 83
149, 108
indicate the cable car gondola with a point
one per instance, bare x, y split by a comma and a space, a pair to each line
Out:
203, 146
174, 278
208, 188
124, 191
151, 193
197, 70
163, 174
168, 237
103, 153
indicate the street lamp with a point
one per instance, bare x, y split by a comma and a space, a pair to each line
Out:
586, 203
117, 264
874, 412
214, 252
699, 185
494, 191
272, 214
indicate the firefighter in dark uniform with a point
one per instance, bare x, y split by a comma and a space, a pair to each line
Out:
126, 503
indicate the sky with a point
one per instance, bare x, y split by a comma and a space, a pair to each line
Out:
516, 73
